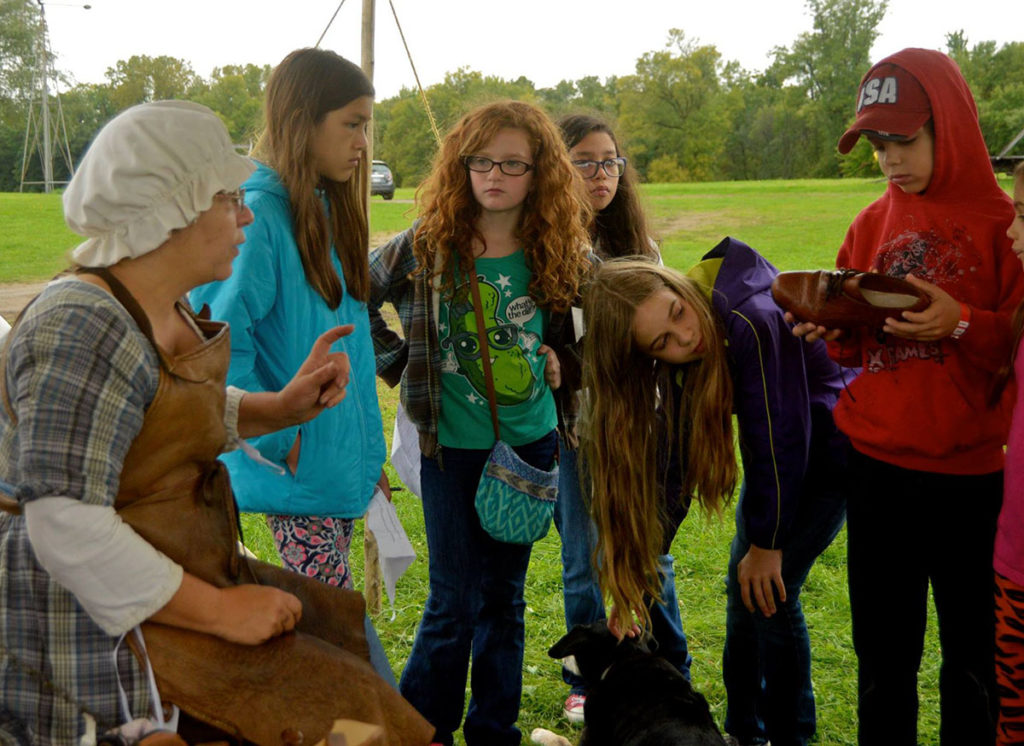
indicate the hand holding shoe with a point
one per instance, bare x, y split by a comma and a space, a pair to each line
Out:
936, 321
810, 331
845, 298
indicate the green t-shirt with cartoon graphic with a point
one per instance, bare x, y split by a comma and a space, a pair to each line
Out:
515, 330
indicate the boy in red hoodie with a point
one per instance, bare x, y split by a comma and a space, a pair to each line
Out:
927, 451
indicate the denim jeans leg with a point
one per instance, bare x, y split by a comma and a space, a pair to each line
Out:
496, 677
580, 591
666, 623
434, 678
771, 695
378, 658
742, 671
498, 639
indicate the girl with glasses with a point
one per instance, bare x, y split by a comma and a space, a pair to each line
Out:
502, 201
618, 228
304, 266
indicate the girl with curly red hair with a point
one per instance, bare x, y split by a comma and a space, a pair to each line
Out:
502, 202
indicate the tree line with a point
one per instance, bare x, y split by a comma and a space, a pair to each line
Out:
684, 114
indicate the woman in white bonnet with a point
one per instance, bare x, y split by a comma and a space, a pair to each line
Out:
112, 413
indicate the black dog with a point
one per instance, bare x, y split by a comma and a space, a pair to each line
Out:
634, 698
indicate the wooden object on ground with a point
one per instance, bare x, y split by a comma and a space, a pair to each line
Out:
371, 571
353, 733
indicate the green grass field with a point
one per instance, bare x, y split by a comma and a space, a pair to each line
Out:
797, 225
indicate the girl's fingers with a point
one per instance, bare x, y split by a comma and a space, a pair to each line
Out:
745, 595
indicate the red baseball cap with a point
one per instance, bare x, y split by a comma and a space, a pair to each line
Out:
890, 104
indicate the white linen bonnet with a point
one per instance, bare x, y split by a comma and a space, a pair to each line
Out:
151, 170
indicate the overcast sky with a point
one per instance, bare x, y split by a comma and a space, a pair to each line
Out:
545, 40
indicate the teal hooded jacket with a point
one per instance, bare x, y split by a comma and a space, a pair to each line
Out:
275, 316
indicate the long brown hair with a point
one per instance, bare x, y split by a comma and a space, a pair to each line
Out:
301, 91
620, 229
631, 411
552, 223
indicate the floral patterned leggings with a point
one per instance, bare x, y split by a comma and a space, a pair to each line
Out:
315, 547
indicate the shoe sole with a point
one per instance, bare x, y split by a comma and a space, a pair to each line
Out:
573, 717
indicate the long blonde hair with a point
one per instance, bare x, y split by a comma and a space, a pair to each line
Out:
301, 91
632, 411
552, 225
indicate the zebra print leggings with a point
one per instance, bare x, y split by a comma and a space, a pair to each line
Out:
1010, 661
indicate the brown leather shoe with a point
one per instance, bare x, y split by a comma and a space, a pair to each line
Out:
846, 298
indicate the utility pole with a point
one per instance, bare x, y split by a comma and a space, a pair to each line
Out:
367, 64
371, 550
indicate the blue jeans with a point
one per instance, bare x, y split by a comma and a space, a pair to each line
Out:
666, 624
580, 591
378, 657
474, 609
766, 663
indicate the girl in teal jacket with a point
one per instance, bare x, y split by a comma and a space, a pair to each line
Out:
303, 268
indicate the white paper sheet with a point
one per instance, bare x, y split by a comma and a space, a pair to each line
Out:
405, 451
395, 551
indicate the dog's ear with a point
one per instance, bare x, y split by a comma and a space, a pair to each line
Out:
648, 640
579, 635
568, 643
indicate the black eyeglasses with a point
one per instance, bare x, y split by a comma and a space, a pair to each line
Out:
237, 198
614, 167
484, 165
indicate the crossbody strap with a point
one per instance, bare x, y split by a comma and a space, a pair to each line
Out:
485, 352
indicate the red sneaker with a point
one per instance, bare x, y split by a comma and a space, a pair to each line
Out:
573, 709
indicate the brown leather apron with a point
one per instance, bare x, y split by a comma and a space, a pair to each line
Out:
177, 495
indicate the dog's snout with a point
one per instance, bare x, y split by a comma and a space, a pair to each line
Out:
569, 662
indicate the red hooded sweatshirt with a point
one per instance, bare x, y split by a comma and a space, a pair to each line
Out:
922, 405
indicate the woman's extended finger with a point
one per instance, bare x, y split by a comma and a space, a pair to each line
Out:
323, 343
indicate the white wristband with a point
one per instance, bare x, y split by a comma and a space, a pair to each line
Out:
963, 323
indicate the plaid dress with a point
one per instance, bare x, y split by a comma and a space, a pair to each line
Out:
79, 376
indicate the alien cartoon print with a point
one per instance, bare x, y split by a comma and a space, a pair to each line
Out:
513, 377
514, 327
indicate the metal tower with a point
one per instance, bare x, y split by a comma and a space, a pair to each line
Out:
43, 130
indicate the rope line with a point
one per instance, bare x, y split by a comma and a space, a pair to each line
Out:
328, 26
419, 86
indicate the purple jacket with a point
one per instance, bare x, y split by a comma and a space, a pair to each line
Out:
783, 392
